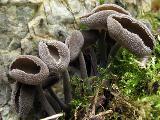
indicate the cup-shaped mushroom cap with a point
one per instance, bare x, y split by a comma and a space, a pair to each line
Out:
131, 34
97, 20
75, 43
29, 70
102, 7
55, 54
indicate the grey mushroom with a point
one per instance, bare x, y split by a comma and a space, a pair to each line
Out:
97, 18
75, 43
28, 69
56, 55
29, 72
131, 34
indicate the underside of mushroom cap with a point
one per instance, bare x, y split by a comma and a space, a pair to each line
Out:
102, 7
90, 37
131, 34
75, 43
29, 70
55, 54
97, 20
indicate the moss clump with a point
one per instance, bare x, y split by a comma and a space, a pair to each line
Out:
130, 91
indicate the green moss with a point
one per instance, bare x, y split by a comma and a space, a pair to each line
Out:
101, 1
139, 85
152, 17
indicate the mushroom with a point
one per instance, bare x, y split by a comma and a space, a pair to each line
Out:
45, 103
97, 18
22, 98
53, 102
131, 34
51, 80
28, 71
56, 55
102, 7
90, 38
75, 43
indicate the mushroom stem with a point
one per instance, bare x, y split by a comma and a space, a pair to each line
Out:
93, 61
53, 102
102, 49
50, 81
67, 87
61, 104
44, 101
113, 52
110, 43
82, 66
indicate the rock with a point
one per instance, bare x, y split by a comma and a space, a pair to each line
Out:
14, 44
5, 89
23, 23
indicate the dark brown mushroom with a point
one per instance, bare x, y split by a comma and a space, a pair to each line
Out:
55, 54
97, 18
44, 102
57, 57
23, 98
90, 37
102, 7
29, 69
131, 34
75, 43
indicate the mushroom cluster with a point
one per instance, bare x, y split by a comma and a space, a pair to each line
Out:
109, 26
116, 24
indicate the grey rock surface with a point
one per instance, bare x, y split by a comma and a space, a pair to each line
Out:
23, 23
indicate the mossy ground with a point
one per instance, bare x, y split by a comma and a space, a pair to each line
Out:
132, 92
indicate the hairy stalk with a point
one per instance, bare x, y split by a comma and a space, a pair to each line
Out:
82, 66
61, 104
67, 93
113, 52
109, 44
44, 101
102, 49
53, 102
50, 81
93, 62
67, 87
